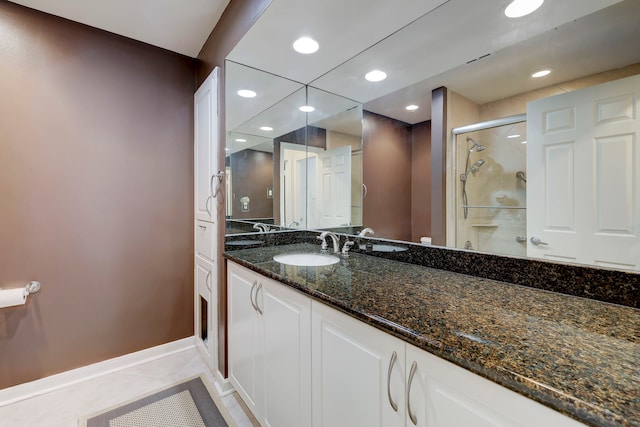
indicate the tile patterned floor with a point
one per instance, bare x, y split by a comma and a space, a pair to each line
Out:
62, 408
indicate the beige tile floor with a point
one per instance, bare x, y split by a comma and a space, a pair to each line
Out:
62, 408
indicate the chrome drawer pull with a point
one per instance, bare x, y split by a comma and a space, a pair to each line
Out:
393, 404
257, 305
255, 283
412, 373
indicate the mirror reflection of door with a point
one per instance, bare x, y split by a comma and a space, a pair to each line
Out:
228, 192
333, 183
293, 191
584, 183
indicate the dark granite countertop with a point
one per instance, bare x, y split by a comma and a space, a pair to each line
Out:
575, 355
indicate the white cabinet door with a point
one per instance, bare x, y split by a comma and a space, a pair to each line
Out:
206, 147
270, 348
442, 394
206, 310
246, 368
356, 379
286, 323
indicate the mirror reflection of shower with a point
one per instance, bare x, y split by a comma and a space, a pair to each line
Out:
490, 191
475, 145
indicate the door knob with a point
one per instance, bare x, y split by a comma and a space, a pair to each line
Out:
536, 241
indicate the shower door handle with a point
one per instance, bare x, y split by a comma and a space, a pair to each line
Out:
537, 242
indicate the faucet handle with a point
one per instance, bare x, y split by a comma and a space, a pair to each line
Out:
324, 248
345, 248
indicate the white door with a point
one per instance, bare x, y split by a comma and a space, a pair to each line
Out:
583, 176
206, 147
287, 356
356, 380
246, 366
334, 186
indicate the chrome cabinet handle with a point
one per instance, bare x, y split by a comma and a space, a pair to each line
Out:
536, 241
206, 206
258, 305
521, 239
207, 280
365, 190
393, 404
412, 373
255, 284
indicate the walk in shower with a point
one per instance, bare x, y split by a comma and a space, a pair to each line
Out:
491, 186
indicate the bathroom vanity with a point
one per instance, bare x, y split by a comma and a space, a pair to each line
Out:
378, 342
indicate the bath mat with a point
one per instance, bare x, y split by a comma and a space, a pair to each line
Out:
191, 403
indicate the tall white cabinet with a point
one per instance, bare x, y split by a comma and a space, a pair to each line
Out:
207, 182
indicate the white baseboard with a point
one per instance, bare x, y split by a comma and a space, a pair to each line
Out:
58, 381
223, 385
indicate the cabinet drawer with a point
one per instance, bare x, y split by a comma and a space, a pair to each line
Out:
205, 246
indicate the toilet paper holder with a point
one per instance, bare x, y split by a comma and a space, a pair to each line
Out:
32, 287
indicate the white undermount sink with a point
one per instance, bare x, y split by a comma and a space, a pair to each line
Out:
306, 259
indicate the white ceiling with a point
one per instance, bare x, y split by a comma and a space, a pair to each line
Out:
176, 25
344, 28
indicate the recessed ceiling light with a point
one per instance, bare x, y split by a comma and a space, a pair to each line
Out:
246, 93
240, 140
513, 136
266, 128
306, 45
541, 73
375, 76
411, 107
519, 8
307, 109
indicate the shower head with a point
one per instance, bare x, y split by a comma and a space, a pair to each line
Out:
478, 147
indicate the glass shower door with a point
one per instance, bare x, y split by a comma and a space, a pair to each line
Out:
491, 187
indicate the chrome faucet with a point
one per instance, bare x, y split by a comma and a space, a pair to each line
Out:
261, 227
364, 232
323, 237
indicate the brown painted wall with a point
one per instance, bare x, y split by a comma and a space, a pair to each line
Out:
96, 194
387, 174
252, 173
236, 20
420, 180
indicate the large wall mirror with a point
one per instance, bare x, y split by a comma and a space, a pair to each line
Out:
293, 155
521, 152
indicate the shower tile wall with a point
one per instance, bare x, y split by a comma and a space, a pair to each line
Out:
494, 184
